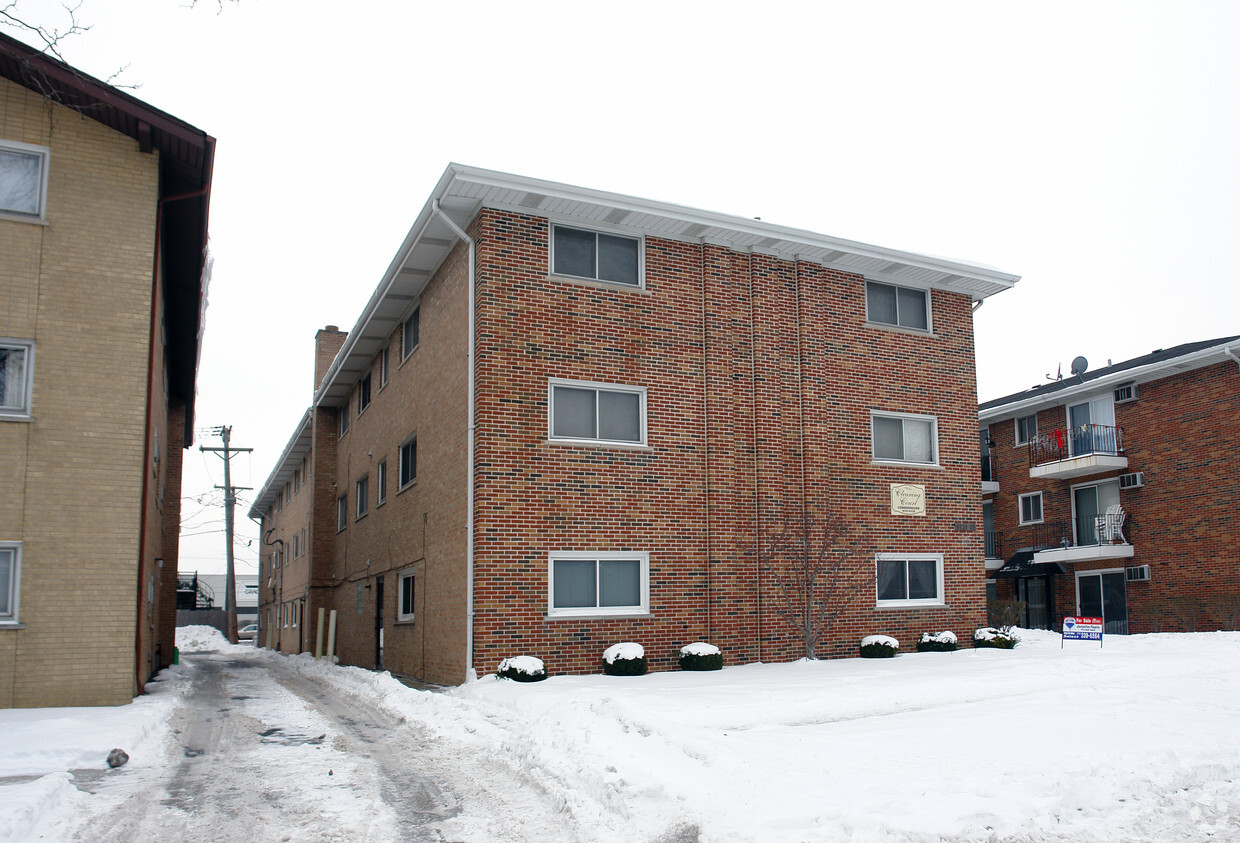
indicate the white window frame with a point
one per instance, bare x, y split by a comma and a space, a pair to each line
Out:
929, 329
416, 317
934, 438
596, 611
401, 483
43, 153
1016, 430
906, 603
383, 367
342, 512
342, 418
362, 497
23, 410
618, 285
401, 615
381, 483
13, 550
1020, 508
365, 393
639, 391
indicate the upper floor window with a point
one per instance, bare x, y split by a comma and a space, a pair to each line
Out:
16, 361
342, 418
381, 491
904, 307
1026, 429
595, 412
409, 339
1031, 508
596, 256
10, 580
909, 579
363, 395
905, 438
408, 462
363, 496
23, 180
383, 367
342, 512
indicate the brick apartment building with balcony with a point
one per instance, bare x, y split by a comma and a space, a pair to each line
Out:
1109, 493
566, 418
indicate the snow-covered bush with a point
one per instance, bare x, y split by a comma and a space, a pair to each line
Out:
879, 647
627, 659
1003, 639
522, 669
937, 642
700, 656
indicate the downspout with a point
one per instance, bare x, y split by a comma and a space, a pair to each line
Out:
1228, 352
977, 305
469, 451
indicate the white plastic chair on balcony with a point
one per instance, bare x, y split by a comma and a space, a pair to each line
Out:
1111, 525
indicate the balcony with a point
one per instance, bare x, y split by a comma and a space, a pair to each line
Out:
990, 480
1089, 449
994, 550
1096, 538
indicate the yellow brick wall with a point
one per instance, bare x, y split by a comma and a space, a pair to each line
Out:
79, 286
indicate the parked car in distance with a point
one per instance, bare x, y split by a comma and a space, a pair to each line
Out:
248, 632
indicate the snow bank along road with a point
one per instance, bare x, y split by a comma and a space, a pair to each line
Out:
259, 750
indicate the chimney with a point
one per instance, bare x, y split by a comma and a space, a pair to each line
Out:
327, 343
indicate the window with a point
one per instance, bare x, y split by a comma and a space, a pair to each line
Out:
363, 395
585, 583
381, 472
410, 339
10, 580
16, 363
596, 256
905, 438
1031, 508
363, 496
296, 545
910, 579
342, 418
408, 462
596, 412
383, 367
23, 179
342, 512
1026, 429
404, 611
888, 304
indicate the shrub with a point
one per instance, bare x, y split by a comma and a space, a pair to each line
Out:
1005, 614
879, 647
937, 642
1002, 639
626, 659
522, 669
700, 656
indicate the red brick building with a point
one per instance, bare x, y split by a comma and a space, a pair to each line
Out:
1108, 493
569, 418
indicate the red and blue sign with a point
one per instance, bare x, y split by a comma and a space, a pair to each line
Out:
1082, 629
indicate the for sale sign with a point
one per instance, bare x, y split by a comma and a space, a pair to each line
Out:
1082, 629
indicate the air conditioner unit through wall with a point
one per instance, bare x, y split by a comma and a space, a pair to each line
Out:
1138, 573
1133, 480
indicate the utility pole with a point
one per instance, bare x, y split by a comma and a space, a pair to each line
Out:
230, 500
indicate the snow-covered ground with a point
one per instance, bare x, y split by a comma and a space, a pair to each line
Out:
1138, 740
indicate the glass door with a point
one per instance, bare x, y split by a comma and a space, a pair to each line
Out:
1104, 595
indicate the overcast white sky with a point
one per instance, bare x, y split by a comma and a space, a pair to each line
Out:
1089, 147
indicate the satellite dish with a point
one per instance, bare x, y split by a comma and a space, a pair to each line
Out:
1079, 365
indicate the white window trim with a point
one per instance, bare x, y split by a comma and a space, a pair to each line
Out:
611, 285
1020, 508
360, 513
22, 413
896, 326
934, 438
598, 611
342, 512
13, 619
639, 391
405, 355
940, 600
405, 617
400, 464
44, 153
1020, 443
381, 482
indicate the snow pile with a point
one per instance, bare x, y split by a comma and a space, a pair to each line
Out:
625, 651
200, 639
944, 637
528, 665
885, 640
699, 648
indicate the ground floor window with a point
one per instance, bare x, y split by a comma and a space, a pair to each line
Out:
408, 591
598, 583
10, 580
909, 579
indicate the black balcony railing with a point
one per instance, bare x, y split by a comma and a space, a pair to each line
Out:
1078, 442
1090, 532
994, 545
988, 473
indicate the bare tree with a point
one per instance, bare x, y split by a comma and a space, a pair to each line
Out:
50, 35
816, 564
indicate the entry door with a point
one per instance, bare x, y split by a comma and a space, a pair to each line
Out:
1082, 417
1034, 592
1104, 596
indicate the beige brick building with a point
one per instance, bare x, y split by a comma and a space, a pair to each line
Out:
103, 222
569, 418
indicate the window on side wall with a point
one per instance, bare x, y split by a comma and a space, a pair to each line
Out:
363, 496
342, 418
904, 437
383, 367
903, 307
342, 512
381, 477
1031, 508
408, 462
23, 180
580, 411
16, 363
407, 594
409, 340
598, 583
1026, 429
363, 395
10, 581
909, 579
595, 256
